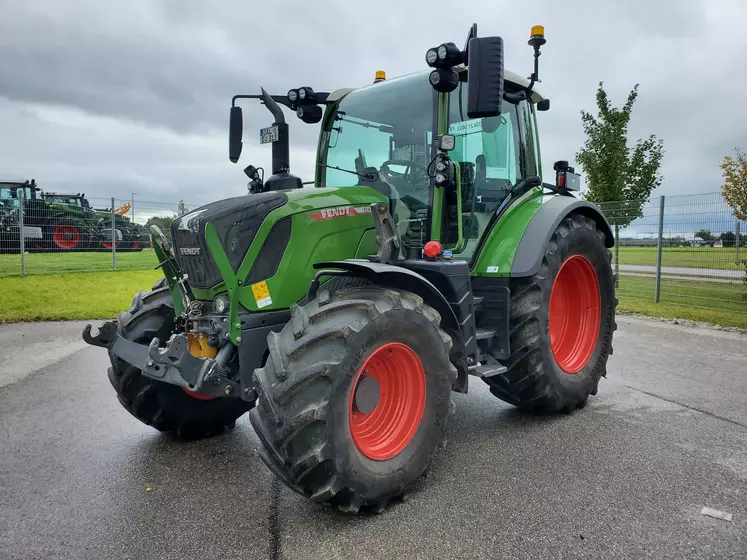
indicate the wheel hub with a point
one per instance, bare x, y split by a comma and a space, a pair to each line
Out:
387, 401
367, 394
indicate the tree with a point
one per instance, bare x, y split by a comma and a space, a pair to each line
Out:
729, 238
619, 178
705, 235
734, 188
181, 209
163, 223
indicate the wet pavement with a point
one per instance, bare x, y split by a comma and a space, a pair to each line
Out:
626, 477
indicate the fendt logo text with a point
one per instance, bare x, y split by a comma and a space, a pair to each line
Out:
190, 250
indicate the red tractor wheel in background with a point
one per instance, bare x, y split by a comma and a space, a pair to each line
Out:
66, 237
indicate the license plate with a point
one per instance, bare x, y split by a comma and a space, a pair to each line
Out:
268, 135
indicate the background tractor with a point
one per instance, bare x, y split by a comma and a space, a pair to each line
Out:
345, 314
48, 225
62, 222
128, 235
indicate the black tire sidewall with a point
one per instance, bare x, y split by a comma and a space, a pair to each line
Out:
178, 410
585, 242
373, 478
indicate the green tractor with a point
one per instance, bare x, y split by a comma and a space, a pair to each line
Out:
345, 314
127, 234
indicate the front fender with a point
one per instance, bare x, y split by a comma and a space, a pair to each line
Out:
393, 276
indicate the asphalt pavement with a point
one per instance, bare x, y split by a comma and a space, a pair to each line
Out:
626, 477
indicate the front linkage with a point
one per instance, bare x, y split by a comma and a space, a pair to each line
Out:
173, 364
178, 363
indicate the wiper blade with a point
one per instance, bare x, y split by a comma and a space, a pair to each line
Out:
364, 124
371, 175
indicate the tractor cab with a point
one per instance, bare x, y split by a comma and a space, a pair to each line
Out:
77, 199
9, 192
386, 130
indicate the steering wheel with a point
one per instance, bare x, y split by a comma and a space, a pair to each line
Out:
409, 177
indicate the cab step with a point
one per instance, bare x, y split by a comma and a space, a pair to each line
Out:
484, 334
489, 370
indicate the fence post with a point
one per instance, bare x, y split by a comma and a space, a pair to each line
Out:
114, 239
21, 240
736, 229
659, 244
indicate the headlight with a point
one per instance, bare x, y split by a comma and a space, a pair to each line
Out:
431, 56
221, 304
293, 95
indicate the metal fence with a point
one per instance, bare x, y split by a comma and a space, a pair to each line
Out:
688, 249
50, 233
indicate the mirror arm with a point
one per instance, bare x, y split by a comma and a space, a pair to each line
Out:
320, 98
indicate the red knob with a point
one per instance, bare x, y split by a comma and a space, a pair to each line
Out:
432, 249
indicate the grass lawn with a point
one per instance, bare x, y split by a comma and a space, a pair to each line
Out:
689, 257
101, 295
87, 295
718, 303
55, 263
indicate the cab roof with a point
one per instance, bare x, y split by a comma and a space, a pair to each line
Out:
508, 76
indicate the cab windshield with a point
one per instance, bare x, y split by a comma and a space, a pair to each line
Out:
387, 127
9, 194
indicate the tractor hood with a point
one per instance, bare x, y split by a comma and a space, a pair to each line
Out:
236, 221
275, 237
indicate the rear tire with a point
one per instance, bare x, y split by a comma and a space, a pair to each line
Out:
308, 415
561, 323
163, 406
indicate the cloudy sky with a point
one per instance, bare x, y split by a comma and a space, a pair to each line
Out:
112, 98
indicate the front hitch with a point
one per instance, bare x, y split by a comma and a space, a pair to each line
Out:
172, 364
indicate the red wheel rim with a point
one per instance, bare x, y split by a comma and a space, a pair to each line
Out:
386, 430
574, 317
108, 244
66, 237
198, 396
136, 244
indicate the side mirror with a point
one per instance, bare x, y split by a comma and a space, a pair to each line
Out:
235, 133
485, 75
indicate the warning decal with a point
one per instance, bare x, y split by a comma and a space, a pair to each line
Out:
261, 294
339, 212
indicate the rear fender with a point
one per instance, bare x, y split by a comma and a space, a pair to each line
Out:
541, 227
392, 276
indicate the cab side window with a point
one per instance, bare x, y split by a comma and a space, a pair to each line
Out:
489, 153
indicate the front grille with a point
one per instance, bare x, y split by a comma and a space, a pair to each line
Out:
194, 259
236, 221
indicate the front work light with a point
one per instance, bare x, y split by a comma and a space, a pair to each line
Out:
444, 80
449, 55
293, 95
431, 56
446, 142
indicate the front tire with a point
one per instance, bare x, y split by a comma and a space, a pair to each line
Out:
163, 406
562, 323
355, 395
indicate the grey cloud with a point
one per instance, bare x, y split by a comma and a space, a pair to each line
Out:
112, 95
